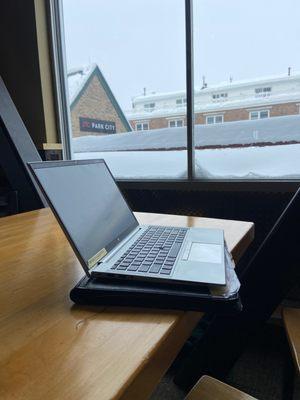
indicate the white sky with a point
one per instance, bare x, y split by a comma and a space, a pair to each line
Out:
141, 43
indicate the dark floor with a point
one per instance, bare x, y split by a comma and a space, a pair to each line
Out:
260, 371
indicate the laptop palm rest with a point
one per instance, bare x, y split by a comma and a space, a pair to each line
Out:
205, 252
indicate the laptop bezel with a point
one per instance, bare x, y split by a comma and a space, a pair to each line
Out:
50, 164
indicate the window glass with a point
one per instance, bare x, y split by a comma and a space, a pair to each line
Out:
176, 123
247, 89
123, 89
214, 119
180, 102
142, 126
264, 114
149, 106
254, 115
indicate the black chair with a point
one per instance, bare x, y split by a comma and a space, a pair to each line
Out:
16, 149
265, 282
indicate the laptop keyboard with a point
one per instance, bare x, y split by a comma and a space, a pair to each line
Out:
154, 252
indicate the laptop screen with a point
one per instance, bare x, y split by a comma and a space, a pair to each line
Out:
88, 203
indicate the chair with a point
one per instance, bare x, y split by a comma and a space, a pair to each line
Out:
16, 149
291, 319
265, 282
208, 388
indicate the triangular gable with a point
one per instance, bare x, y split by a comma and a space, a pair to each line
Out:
87, 79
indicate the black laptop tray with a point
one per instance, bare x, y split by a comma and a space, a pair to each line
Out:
91, 291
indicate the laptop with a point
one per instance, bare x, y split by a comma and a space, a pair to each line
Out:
107, 238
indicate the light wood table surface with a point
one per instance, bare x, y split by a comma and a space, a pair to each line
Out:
53, 350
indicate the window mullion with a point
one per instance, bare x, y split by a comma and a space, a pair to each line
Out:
190, 117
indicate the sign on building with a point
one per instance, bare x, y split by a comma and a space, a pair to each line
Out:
96, 125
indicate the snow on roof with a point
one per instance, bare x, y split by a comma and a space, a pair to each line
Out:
284, 129
216, 107
77, 77
225, 85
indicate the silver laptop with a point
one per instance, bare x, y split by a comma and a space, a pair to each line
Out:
107, 238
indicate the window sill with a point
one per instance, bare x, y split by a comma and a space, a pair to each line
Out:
283, 186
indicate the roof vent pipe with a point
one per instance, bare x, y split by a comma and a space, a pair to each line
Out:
204, 84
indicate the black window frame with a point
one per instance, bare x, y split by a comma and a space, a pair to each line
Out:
57, 48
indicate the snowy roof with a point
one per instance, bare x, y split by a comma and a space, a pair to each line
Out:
77, 78
216, 107
273, 130
225, 85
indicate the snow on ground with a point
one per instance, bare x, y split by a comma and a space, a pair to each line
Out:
267, 162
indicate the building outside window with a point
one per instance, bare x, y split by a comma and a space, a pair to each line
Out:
176, 123
142, 126
260, 114
214, 119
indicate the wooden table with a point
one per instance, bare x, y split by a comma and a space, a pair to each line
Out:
51, 349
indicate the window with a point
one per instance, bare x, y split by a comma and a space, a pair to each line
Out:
260, 114
219, 96
214, 119
126, 93
176, 123
248, 82
142, 126
263, 91
149, 106
180, 102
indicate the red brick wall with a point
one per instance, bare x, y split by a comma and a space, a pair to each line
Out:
236, 115
94, 103
284, 109
229, 115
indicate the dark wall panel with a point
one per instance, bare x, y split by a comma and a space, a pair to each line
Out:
19, 65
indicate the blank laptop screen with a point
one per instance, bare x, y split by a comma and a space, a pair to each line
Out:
88, 203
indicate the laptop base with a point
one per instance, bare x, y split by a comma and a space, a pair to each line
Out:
92, 291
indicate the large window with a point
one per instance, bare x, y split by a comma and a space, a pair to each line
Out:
244, 119
121, 86
247, 69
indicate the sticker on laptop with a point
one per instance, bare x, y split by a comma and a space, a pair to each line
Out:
96, 258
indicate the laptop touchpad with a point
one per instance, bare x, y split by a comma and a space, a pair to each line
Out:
205, 252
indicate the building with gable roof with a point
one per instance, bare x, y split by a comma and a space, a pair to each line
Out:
94, 108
